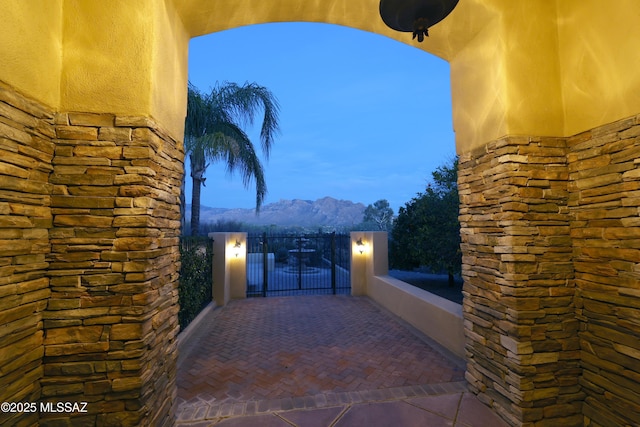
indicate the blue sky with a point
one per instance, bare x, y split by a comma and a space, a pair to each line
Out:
362, 118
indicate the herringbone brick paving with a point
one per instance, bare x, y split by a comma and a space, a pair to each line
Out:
295, 347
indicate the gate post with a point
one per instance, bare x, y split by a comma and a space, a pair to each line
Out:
229, 266
369, 258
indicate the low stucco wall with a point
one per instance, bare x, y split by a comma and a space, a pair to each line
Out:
434, 316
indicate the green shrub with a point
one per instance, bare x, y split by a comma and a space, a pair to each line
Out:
195, 279
426, 232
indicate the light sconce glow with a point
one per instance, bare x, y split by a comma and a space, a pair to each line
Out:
236, 249
361, 247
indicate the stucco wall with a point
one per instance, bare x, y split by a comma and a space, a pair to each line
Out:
542, 68
432, 315
436, 317
31, 46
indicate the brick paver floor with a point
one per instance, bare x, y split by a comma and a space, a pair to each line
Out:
300, 346
260, 357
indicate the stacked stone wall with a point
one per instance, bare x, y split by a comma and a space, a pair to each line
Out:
111, 321
604, 168
522, 346
89, 231
26, 150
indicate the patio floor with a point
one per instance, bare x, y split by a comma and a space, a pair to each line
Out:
319, 361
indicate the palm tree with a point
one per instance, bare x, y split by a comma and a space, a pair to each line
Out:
213, 132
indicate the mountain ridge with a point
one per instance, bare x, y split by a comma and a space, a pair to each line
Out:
326, 211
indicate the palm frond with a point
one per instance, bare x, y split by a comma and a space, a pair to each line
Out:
213, 130
245, 101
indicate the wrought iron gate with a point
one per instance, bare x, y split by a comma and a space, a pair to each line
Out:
298, 264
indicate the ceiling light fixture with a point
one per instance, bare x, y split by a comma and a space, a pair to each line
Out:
415, 16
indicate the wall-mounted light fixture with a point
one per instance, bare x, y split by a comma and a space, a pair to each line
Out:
360, 246
415, 16
236, 248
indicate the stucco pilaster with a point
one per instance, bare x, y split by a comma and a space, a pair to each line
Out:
229, 266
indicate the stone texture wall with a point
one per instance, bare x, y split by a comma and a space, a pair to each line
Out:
111, 321
89, 224
551, 243
26, 150
89, 261
522, 345
604, 168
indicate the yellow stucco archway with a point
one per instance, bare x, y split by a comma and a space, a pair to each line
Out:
546, 110
518, 68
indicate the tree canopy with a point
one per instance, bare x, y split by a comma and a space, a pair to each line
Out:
379, 214
427, 231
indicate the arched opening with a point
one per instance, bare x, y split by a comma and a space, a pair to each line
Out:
391, 113
363, 117
93, 104
498, 95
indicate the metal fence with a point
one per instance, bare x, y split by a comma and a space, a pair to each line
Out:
298, 264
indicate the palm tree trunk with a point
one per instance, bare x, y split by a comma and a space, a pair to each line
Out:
183, 207
195, 206
198, 168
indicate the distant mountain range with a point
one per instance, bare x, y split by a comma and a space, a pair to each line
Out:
304, 213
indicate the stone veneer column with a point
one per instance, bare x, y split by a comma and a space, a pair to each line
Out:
26, 150
111, 322
522, 346
604, 168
